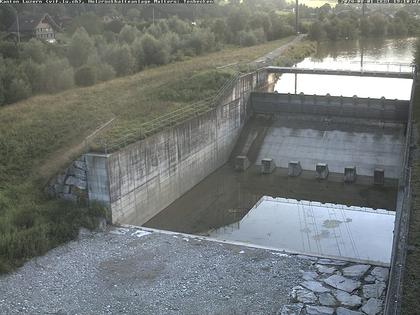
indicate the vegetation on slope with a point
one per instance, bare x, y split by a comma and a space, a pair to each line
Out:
90, 50
411, 281
36, 133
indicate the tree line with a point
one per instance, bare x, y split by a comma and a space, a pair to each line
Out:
343, 23
91, 50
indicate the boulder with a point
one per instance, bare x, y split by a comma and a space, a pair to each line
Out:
380, 273
372, 307
356, 271
327, 299
303, 295
319, 310
374, 290
342, 283
315, 286
347, 299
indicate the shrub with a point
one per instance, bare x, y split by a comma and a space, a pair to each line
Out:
155, 52
34, 49
9, 50
247, 38
120, 58
128, 34
58, 74
105, 72
85, 76
81, 46
19, 89
35, 73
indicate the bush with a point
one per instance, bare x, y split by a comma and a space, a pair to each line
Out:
138, 54
105, 72
201, 41
81, 46
120, 58
34, 49
85, 76
9, 50
58, 75
155, 52
2, 96
19, 89
247, 38
114, 26
128, 34
35, 73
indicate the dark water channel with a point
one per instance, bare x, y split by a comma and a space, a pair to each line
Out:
226, 196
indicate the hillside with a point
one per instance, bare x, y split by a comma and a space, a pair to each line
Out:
40, 135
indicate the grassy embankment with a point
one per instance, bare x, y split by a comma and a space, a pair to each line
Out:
37, 134
411, 281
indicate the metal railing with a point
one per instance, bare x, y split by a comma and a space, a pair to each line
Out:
394, 291
172, 118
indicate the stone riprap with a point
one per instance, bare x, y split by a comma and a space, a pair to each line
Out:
339, 287
71, 184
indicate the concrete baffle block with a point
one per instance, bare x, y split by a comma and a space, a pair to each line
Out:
350, 174
294, 169
267, 166
241, 163
322, 170
378, 176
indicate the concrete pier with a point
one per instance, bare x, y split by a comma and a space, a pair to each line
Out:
295, 169
350, 174
267, 166
241, 163
322, 171
379, 176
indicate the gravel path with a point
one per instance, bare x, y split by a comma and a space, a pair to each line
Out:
276, 52
122, 271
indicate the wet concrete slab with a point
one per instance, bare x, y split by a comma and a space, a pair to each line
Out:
340, 145
339, 231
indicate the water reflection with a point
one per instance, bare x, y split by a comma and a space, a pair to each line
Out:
379, 54
226, 196
314, 228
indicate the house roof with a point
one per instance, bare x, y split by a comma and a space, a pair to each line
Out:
29, 22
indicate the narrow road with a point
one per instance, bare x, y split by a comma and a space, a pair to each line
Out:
276, 52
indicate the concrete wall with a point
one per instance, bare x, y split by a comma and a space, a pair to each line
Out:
147, 176
354, 107
340, 131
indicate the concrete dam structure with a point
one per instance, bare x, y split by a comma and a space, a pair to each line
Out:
332, 146
367, 134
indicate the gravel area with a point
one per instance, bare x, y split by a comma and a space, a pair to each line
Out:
127, 271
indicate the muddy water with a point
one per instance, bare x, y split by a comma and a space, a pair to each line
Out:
226, 196
374, 54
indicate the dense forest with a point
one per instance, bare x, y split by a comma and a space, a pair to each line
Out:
99, 43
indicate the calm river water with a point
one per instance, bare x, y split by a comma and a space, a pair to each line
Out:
374, 54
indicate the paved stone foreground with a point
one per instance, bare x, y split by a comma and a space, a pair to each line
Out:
131, 271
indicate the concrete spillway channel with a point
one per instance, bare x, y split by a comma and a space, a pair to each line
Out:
320, 176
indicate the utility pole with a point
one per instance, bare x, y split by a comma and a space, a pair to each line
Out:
297, 16
18, 29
